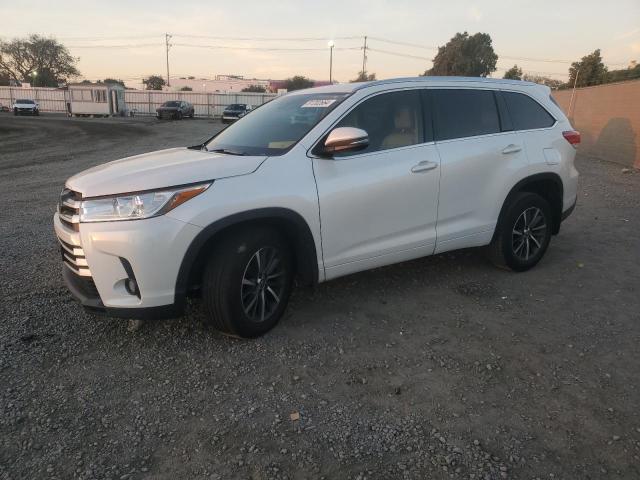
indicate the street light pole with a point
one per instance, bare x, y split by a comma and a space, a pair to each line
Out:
331, 45
167, 45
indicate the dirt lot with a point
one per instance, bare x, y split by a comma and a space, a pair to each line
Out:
443, 367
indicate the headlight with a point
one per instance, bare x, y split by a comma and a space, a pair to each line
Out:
134, 206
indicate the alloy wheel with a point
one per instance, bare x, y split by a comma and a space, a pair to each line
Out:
263, 284
528, 234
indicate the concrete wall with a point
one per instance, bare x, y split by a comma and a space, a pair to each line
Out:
608, 118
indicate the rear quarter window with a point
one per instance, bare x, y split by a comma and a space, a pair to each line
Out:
526, 113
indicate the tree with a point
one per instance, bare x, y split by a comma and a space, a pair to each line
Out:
364, 77
465, 55
514, 73
43, 62
153, 82
549, 82
624, 74
589, 71
114, 81
254, 89
297, 82
186, 89
5, 80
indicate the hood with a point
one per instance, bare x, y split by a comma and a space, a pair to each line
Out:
164, 168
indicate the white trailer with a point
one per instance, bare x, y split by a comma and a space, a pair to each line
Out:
96, 99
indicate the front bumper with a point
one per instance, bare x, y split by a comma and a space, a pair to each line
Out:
99, 259
167, 114
30, 111
569, 210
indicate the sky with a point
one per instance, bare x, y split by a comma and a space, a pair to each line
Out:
125, 38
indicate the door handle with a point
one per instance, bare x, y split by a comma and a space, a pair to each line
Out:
512, 148
424, 166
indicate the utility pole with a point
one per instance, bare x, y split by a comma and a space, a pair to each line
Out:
166, 42
573, 93
331, 45
364, 57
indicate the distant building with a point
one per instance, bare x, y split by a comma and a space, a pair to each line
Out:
221, 83
230, 84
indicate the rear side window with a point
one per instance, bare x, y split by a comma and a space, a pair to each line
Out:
526, 113
464, 113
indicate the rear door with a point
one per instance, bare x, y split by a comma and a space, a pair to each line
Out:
379, 205
480, 154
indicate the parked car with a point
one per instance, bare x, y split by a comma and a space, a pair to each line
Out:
388, 171
25, 106
4, 108
235, 111
175, 109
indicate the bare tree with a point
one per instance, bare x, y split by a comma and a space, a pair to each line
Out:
39, 60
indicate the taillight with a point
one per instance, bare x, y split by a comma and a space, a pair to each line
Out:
572, 137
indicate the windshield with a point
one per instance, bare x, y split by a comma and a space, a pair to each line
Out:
236, 106
171, 104
275, 127
30, 102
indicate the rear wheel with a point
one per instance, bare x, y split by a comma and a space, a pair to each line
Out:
247, 282
179, 116
523, 233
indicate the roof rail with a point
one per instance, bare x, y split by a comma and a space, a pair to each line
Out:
441, 79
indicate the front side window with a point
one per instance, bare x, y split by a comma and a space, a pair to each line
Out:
276, 126
392, 120
526, 113
464, 113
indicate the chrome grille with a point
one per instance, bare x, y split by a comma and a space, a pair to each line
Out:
69, 208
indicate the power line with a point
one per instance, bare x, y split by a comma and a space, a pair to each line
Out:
261, 49
130, 45
268, 39
508, 57
404, 44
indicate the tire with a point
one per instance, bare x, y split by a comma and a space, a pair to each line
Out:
15, 111
37, 113
523, 233
240, 299
179, 116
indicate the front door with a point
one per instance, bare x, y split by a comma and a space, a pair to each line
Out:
379, 205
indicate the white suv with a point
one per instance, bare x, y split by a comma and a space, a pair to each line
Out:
318, 184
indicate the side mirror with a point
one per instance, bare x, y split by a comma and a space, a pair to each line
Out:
346, 139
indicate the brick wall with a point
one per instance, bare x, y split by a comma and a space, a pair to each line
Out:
608, 118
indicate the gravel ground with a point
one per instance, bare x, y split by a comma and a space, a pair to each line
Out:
443, 367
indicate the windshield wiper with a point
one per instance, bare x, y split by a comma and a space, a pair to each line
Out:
228, 152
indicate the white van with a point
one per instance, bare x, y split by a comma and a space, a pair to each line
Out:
317, 184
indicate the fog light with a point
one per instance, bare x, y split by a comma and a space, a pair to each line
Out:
131, 286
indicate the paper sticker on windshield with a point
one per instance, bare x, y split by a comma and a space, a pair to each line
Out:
318, 103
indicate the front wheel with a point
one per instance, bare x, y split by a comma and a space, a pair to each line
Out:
523, 233
15, 111
247, 282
